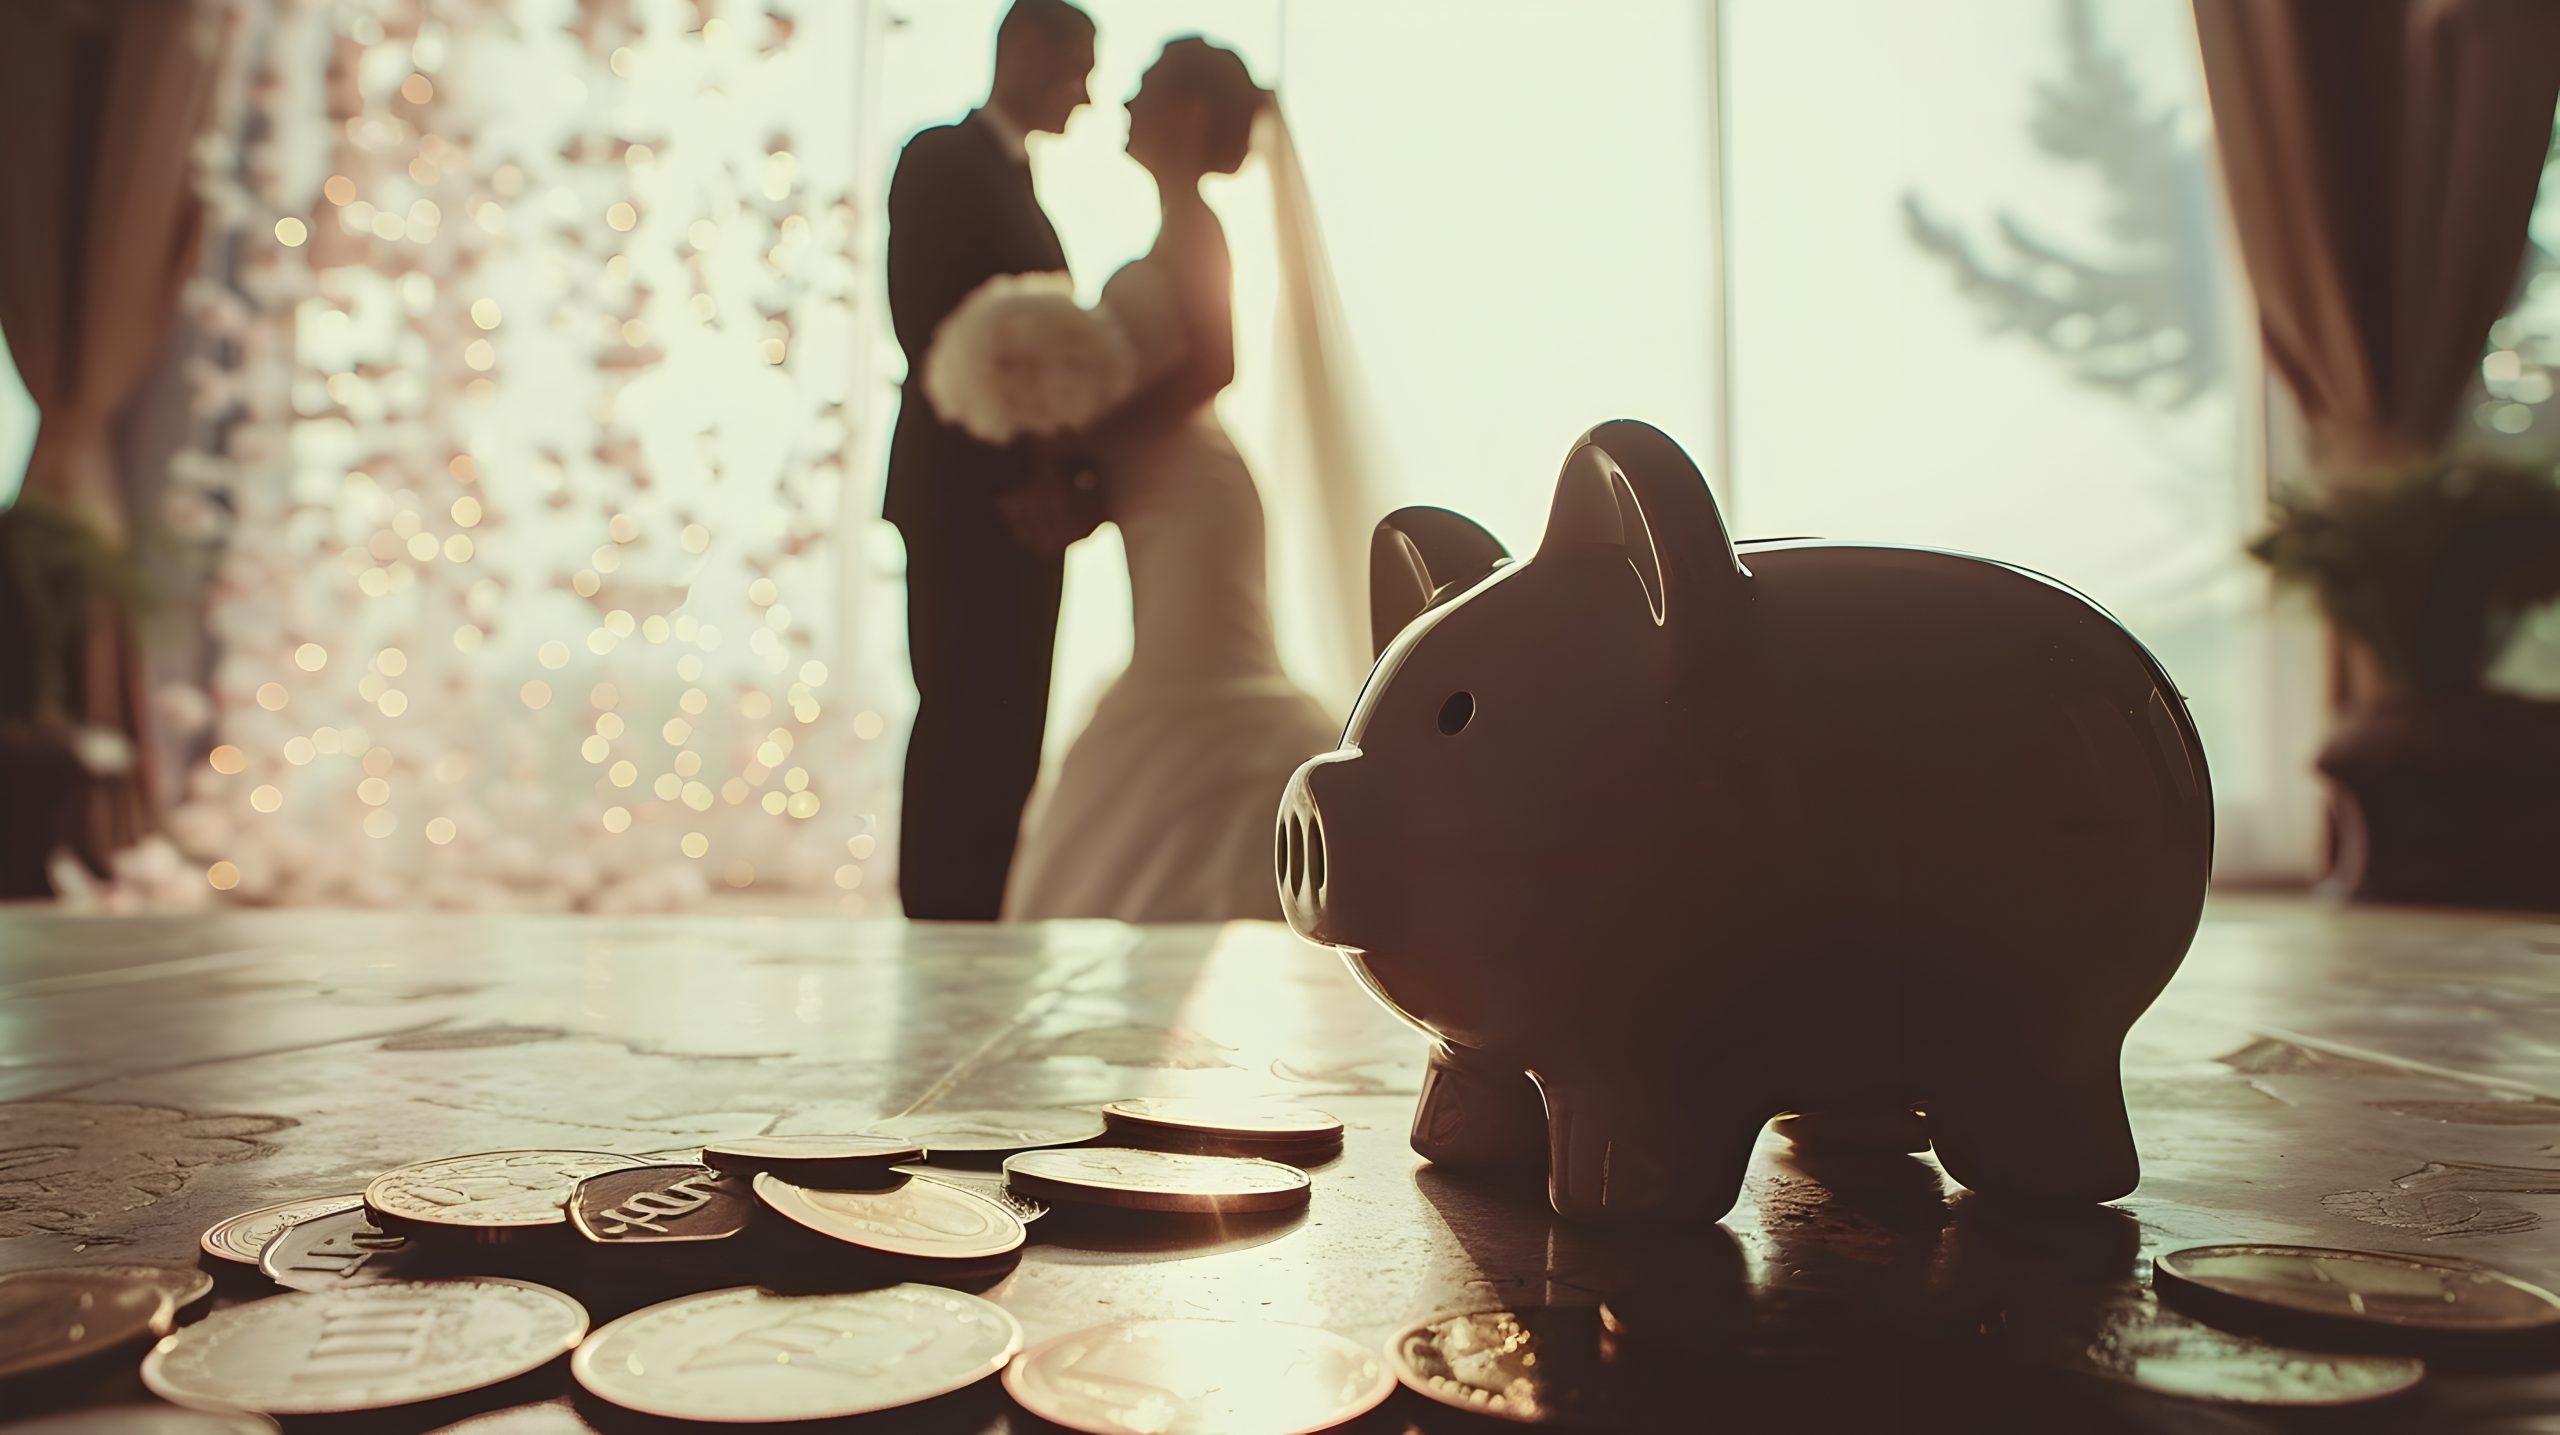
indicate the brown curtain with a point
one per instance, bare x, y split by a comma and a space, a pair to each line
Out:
103, 101
2381, 158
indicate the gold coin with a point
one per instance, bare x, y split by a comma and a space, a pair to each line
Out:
2128, 1339
1536, 1365
1156, 1180
750, 1355
1235, 1120
364, 1347
989, 1133
1199, 1377
928, 1219
52, 1318
244, 1237
489, 1195
2436, 1294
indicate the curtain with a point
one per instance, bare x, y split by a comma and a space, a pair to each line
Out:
96, 238
2381, 158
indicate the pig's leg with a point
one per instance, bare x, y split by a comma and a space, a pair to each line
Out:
1619, 1149
1478, 1114
2045, 1127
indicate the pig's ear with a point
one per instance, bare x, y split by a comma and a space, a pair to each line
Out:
1419, 556
1629, 494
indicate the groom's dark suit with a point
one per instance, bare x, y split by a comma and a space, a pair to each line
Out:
982, 610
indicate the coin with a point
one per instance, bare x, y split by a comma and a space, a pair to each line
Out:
143, 1420
654, 1204
1173, 1377
750, 1355
365, 1347
919, 1218
183, 1285
1536, 1365
344, 1248
2128, 1339
812, 1160
555, 1417
2377, 1292
990, 1133
1233, 1120
985, 1184
1155, 1180
241, 1237
490, 1195
51, 1318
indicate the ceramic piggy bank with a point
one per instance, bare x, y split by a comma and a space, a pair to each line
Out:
1659, 836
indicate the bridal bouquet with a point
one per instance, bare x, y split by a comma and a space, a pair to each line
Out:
1020, 358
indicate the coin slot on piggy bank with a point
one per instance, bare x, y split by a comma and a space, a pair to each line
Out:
1660, 836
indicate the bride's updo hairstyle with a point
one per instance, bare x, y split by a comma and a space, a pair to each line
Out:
1216, 76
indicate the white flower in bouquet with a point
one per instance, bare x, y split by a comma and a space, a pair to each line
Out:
1020, 358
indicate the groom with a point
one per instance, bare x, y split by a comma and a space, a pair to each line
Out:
984, 527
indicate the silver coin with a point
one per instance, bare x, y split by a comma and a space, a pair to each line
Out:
811, 1160
243, 1237
344, 1248
926, 1219
1536, 1365
552, 1417
487, 1195
365, 1347
1156, 1180
52, 1318
1199, 1377
987, 1185
751, 1355
2437, 1294
990, 1133
1233, 1120
143, 1420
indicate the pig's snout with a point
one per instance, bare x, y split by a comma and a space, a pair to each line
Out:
1299, 859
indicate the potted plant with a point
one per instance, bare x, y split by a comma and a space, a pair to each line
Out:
2445, 792
57, 576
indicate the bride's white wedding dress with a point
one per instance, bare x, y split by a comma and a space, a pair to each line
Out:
1163, 806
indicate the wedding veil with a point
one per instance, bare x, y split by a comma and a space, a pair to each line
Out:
1320, 477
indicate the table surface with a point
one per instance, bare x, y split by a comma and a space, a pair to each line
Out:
2372, 1079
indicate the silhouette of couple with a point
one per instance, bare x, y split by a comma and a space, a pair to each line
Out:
1162, 808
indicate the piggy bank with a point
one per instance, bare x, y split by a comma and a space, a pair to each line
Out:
1658, 836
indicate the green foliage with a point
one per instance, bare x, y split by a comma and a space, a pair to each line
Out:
56, 572
2432, 568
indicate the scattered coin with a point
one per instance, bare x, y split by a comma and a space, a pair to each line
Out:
365, 1347
812, 1160
990, 1133
654, 1204
1214, 1377
986, 1184
2375, 1292
143, 1420
1155, 1180
2131, 1341
242, 1237
929, 1219
1233, 1120
52, 1318
183, 1285
749, 1355
552, 1417
344, 1248
1537, 1365
488, 1196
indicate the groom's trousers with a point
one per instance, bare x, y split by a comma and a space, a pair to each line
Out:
982, 625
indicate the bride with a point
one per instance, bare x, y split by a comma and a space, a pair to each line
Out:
1163, 807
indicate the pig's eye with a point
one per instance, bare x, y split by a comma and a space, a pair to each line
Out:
1457, 712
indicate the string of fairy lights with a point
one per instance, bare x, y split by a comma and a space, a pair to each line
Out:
527, 401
